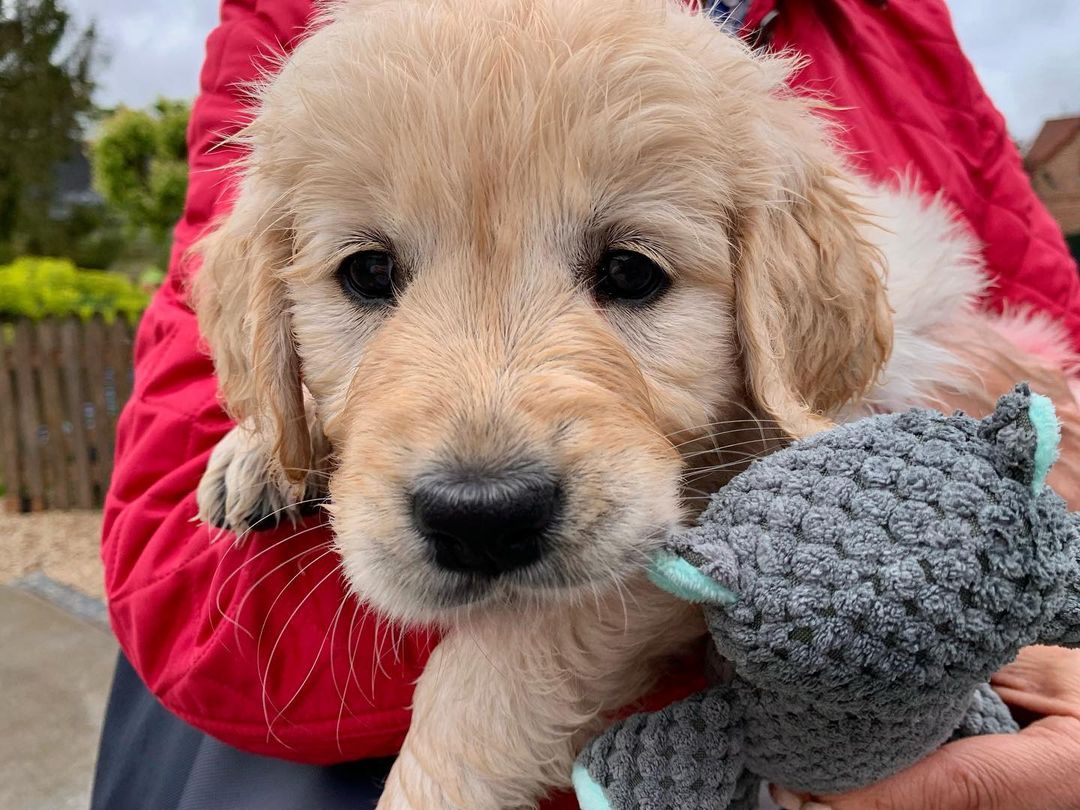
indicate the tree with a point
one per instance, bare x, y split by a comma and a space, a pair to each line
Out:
46, 84
140, 166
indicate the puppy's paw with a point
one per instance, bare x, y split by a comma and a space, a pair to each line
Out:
243, 490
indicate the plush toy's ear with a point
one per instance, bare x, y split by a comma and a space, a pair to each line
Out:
590, 795
687, 755
681, 576
1047, 438
1025, 433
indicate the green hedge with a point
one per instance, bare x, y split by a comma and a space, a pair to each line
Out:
55, 288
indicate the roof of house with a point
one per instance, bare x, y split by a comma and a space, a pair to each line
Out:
1055, 134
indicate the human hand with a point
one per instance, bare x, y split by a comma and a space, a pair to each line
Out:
1036, 769
992, 365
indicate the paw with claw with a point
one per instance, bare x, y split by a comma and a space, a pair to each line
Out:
244, 490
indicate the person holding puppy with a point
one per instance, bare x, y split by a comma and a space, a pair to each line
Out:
193, 617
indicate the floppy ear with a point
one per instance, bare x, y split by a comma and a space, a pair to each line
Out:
243, 312
814, 324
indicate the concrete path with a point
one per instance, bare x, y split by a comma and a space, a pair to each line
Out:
55, 670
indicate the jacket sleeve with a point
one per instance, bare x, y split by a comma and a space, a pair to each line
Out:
909, 104
258, 645
1025, 249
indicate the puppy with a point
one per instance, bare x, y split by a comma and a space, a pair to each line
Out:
526, 279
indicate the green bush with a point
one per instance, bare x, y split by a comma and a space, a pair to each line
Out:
55, 288
140, 166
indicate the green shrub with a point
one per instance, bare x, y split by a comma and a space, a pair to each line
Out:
140, 166
55, 288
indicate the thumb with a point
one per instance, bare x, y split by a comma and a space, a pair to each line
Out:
1037, 769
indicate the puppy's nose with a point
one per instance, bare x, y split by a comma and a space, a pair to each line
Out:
486, 523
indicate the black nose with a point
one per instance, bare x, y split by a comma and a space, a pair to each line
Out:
485, 523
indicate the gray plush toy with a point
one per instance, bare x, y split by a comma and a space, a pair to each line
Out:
860, 588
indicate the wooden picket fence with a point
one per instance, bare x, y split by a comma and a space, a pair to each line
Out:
62, 384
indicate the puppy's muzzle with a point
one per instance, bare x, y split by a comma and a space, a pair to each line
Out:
486, 522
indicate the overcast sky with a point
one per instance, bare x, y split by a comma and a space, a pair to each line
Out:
1027, 54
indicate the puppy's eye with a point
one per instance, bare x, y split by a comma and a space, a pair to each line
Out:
624, 275
368, 276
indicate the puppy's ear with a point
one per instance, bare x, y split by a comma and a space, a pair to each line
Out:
243, 311
814, 325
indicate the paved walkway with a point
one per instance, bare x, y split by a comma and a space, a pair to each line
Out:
54, 679
56, 662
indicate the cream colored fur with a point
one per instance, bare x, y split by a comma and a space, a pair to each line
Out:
497, 147
935, 277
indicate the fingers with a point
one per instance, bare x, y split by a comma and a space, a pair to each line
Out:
1043, 681
1038, 769
792, 801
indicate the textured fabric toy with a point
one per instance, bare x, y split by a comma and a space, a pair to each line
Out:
860, 588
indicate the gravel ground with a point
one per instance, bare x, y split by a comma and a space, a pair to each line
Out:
62, 545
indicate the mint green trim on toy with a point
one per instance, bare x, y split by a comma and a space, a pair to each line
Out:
590, 796
678, 577
1047, 438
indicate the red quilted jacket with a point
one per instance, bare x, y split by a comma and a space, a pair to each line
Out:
259, 646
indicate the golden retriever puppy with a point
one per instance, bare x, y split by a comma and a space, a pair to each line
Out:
526, 278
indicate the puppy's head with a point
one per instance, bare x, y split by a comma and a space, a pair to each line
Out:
522, 252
